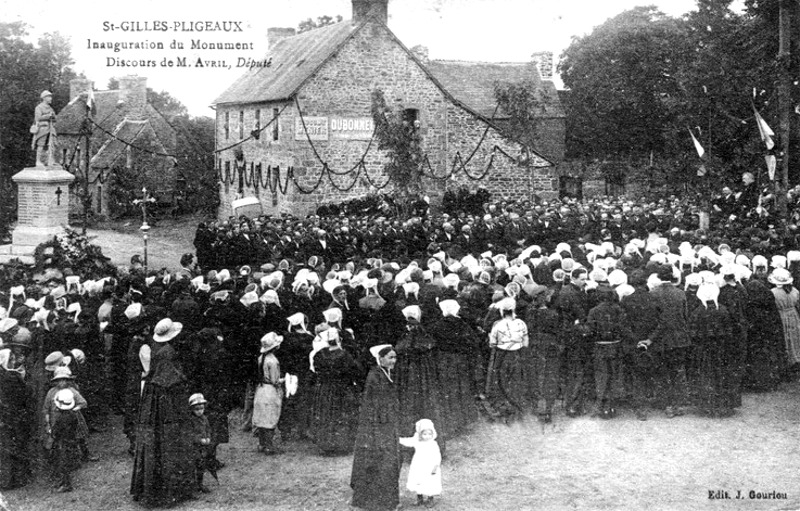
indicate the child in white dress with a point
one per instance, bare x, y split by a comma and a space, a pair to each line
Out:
424, 474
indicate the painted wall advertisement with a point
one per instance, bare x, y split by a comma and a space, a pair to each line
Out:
333, 128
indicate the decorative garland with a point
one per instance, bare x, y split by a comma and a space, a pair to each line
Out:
273, 176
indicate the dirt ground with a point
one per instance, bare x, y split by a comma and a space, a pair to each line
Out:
581, 463
168, 239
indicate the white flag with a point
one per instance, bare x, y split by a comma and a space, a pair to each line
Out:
697, 146
765, 131
771, 164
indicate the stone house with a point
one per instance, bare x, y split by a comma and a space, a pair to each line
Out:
310, 103
128, 136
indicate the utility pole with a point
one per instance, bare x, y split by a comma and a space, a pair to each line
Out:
784, 96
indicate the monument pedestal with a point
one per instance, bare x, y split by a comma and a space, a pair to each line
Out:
42, 210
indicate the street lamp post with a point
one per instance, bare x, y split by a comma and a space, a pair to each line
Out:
144, 228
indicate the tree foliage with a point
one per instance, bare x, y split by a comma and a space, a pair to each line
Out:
524, 103
621, 83
27, 70
321, 21
400, 138
640, 81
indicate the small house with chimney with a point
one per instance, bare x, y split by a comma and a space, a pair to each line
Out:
129, 142
298, 132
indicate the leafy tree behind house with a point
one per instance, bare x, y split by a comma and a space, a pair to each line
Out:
321, 21
398, 136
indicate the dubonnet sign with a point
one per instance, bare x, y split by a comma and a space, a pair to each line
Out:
334, 128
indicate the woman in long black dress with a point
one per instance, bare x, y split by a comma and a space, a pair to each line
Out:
458, 367
16, 418
294, 359
417, 378
376, 462
335, 402
163, 466
714, 337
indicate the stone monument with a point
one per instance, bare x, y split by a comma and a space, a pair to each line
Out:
42, 191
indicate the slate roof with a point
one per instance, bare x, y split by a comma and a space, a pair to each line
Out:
472, 83
110, 116
114, 149
294, 59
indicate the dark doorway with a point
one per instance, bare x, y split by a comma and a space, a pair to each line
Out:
571, 187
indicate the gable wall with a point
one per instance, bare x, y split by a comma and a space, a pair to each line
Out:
342, 87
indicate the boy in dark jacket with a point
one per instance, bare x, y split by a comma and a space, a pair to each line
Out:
201, 438
64, 431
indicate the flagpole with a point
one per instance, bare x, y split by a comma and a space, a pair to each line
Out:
784, 96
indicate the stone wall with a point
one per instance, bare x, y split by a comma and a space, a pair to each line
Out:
372, 59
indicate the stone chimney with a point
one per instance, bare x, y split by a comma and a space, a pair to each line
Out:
421, 52
363, 9
78, 86
133, 92
276, 34
544, 62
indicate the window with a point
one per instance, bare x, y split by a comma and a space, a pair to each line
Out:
227, 125
257, 127
99, 200
227, 177
570, 187
241, 124
274, 124
615, 187
411, 116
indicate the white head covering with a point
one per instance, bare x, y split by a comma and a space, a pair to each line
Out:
617, 278
451, 281
412, 312
298, 319
5, 356
506, 304
133, 310
270, 296
333, 315
249, 298
411, 288
425, 424
693, 279
708, 292
376, 350
449, 308
624, 290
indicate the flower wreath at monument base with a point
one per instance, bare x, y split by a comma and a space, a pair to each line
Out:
70, 250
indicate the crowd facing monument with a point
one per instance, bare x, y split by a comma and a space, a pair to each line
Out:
605, 304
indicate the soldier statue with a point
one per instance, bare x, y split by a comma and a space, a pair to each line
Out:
44, 131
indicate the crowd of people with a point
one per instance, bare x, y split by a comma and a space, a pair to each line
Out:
348, 331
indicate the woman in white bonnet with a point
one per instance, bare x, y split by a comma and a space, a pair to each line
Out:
506, 379
459, 366
294, 360
713, 337
416, 374
334, 407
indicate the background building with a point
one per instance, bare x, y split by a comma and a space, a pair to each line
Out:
310, 106
128, 144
